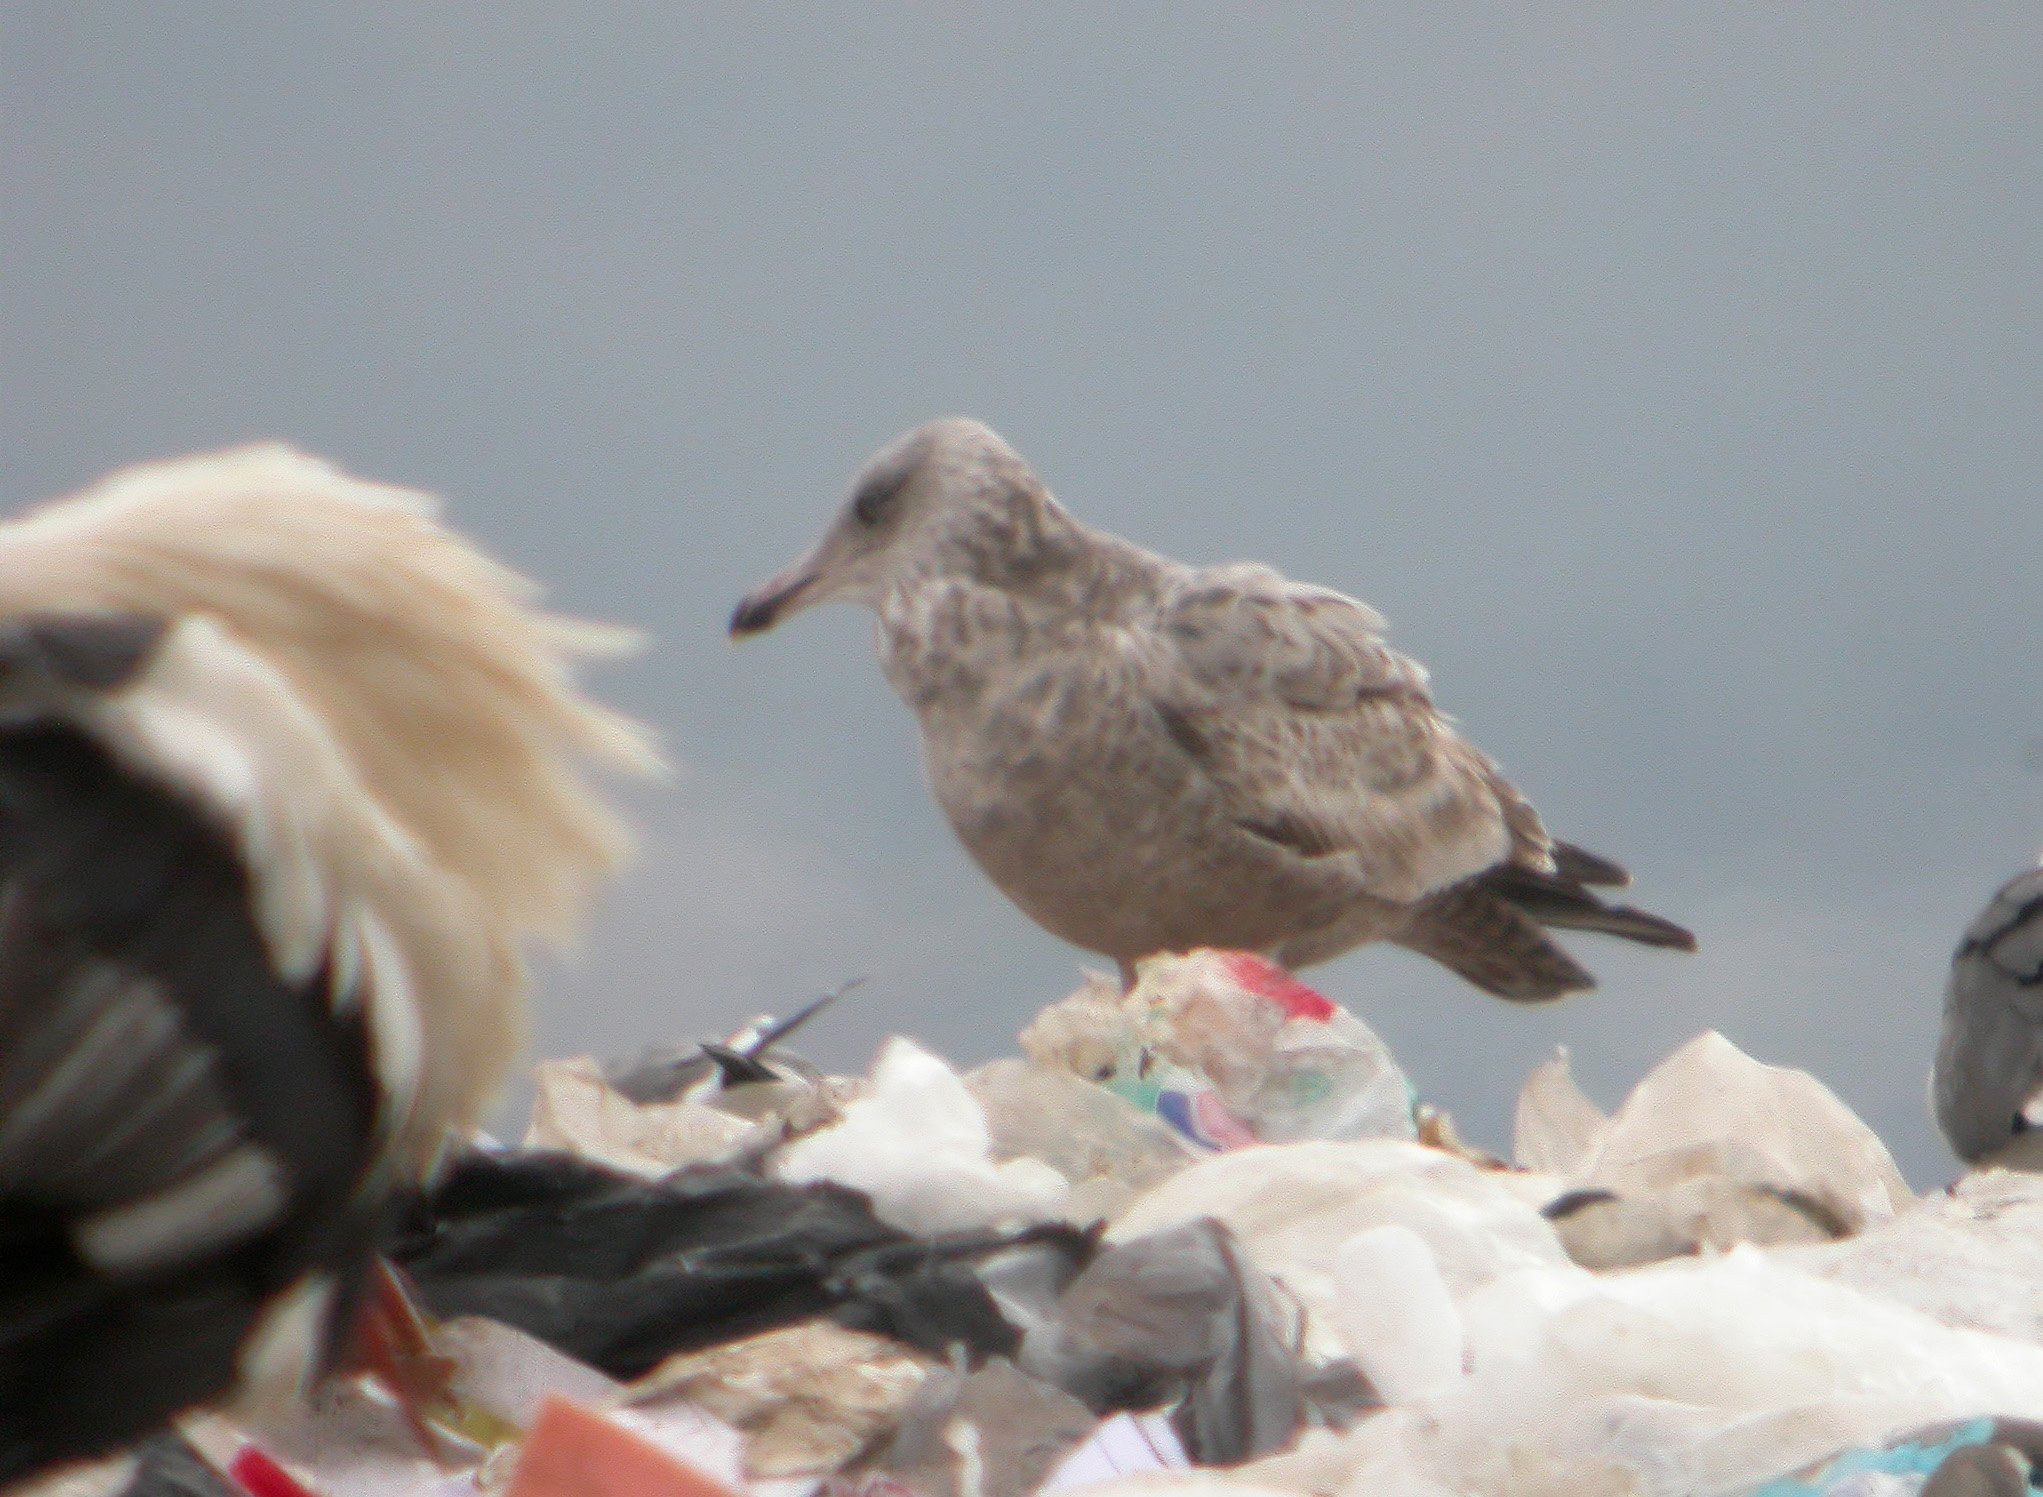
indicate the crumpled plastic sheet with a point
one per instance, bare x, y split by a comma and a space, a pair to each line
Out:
1295, 1207
916, 1142
1105, 1148
994, 1432
808, 1398
1683, 1379
1604, 1230
1182, 1317
714, 1103
1710, 1149
1968, 1256
351, 1441
576, 1111
622, 1273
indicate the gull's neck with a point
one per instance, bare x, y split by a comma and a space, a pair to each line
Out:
1043, 558
1040, 580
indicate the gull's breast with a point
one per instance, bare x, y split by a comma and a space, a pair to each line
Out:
1062, 782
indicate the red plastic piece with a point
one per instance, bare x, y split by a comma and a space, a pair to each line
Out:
1266, 979
260, 1476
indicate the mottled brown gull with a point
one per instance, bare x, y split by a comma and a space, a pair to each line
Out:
1149, 756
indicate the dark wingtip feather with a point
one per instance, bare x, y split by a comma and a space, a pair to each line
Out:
1577, 865
1496, 945
1554, 900
1648, 930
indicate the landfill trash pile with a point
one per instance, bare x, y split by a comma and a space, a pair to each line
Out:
1202, 1236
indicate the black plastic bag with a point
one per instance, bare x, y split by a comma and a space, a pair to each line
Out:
622, 1272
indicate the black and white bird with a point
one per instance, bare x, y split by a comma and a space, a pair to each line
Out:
289, 775
1987, 1088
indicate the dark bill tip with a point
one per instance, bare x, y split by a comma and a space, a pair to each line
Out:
759, 611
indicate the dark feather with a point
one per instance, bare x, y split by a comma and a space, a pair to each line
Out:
1494, 944
739, 1069
1569, 1202
1293, 832
1577, 865
1178, 724
1488, 928
144, 1039
98, 651
1552, 899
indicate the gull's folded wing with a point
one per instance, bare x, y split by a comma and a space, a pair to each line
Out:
1325, 738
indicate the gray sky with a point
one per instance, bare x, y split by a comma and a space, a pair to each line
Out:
1671, 379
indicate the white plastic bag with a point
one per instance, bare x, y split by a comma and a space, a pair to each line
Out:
916, 1142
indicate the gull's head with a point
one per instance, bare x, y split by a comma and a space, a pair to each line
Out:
947, 498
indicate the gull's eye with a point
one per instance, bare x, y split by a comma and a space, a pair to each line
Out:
877, 494
876, 497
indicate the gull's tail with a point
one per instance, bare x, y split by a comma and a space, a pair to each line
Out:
1490, 928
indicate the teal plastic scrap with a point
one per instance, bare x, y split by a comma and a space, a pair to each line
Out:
1897, 1470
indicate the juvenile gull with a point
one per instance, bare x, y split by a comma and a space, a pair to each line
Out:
1148, 756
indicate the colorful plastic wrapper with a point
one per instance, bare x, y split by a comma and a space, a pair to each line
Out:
1230, 1050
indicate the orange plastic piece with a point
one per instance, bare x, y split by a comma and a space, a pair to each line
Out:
574, 1451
